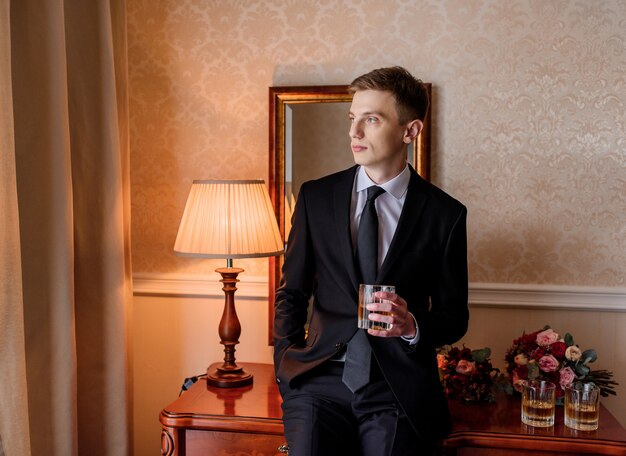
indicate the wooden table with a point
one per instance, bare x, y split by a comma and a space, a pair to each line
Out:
496, 429
247, 421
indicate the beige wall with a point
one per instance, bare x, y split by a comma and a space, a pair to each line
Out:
176, 338
529, 108
529, 102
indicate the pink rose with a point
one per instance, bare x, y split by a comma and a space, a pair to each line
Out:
547, 337
548, 363
465, 367
566, 377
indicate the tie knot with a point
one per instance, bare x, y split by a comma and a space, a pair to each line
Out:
374, 192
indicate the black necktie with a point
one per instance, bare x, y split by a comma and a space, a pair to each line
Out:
367, 237
356, 370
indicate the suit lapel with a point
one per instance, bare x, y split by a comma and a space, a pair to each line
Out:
411, 212
342, 194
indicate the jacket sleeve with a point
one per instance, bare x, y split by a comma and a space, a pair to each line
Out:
447, 320
294, 291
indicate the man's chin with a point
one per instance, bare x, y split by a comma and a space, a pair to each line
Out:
360, 159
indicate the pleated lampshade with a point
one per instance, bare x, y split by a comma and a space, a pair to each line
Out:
228, 219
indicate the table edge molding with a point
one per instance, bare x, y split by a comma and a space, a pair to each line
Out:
244, 424
479, 439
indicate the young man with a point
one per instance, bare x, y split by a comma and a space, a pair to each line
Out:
397, 406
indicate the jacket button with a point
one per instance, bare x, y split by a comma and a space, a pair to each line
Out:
338, 346
277, 380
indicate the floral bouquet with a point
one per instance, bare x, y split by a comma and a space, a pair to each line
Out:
467, 374
544, 355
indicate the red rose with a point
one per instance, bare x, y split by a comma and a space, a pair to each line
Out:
538, 353
529, 341
558, 350
522, 371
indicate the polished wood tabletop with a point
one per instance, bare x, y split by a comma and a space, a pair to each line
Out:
255, 408
499, 424
495, 426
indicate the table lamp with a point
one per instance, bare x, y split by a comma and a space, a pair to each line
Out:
228, 219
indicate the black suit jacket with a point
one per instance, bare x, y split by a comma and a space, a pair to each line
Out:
427, 263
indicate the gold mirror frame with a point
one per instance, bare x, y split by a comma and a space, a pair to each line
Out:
279, 99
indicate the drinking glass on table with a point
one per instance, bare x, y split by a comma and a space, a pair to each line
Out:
367, 296
538, 399
582, 406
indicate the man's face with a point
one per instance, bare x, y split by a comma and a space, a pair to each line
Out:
378, 140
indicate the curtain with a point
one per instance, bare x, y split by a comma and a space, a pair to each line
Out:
14, 435
65, 254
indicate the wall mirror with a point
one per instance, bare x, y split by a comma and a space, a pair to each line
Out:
308, 138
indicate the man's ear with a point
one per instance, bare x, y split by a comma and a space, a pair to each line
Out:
413, 129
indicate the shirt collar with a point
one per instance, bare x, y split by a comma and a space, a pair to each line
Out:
396, 186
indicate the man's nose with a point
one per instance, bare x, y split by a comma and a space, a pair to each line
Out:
355, 130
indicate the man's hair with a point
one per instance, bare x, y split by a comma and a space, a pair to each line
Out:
409, 92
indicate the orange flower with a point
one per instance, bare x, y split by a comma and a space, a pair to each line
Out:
441, 361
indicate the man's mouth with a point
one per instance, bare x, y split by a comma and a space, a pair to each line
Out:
357, 148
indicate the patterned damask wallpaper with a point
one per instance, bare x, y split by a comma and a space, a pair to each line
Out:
529, 115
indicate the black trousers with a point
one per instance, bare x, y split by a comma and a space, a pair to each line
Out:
322, 417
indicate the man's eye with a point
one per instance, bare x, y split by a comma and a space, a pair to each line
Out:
372, 120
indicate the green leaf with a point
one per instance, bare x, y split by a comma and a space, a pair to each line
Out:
503, 387
533, 371
569, 340
589, 356
581, 370
482, 355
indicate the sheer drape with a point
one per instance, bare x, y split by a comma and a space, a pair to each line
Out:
67, 81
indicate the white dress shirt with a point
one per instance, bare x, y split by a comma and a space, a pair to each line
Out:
388, 207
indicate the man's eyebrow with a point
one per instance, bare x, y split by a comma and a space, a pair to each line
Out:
369, 113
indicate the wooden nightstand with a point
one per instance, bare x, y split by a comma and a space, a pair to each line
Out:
248, 421
207, 420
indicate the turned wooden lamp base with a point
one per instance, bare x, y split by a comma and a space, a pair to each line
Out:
223, 378
229, 375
